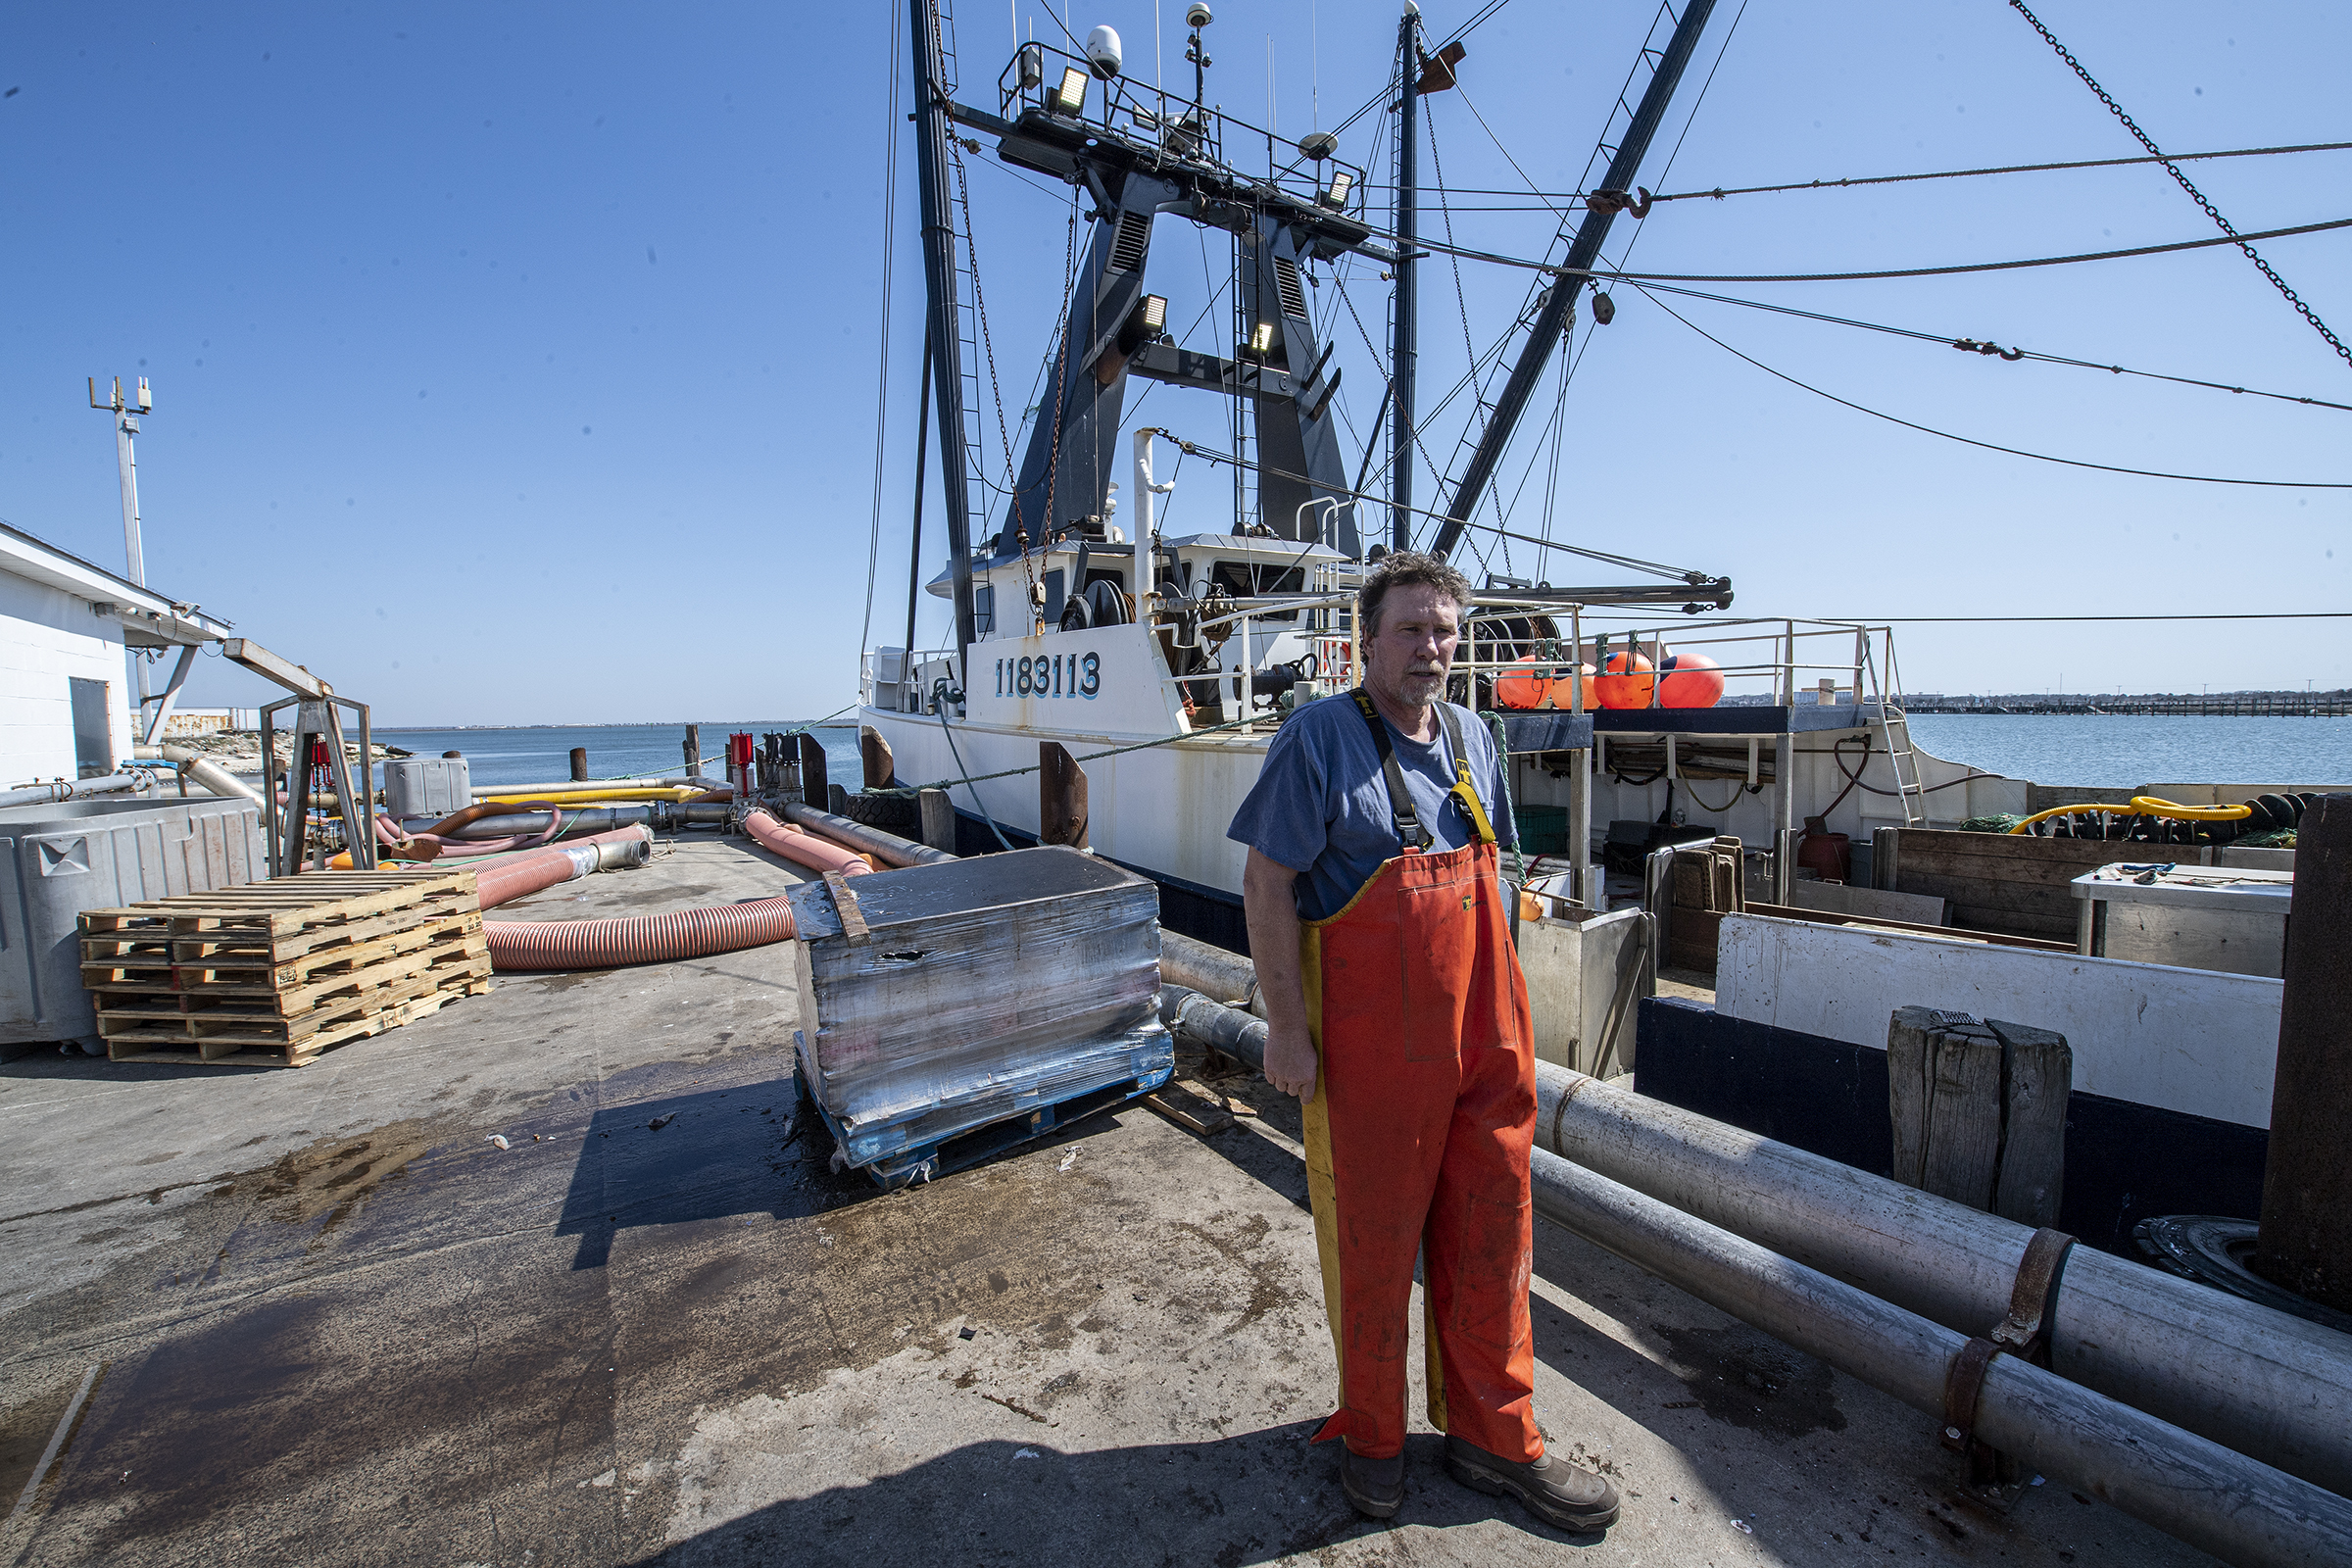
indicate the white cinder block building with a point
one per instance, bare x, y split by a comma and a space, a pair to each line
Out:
66, 692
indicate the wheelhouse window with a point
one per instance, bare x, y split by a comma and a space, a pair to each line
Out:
1247, 580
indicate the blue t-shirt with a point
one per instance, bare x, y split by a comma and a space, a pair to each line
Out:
1321, 807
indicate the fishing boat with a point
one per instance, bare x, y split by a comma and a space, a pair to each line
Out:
1162, 663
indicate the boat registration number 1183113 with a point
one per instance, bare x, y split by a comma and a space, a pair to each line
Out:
1051, 675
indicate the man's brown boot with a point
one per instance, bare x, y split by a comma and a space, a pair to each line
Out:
1375, 1486
1553, 1490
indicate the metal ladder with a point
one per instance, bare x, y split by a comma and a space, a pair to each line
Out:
1605, 151
968, 327
1901, 759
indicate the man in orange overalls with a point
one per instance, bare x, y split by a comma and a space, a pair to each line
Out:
1396, 1012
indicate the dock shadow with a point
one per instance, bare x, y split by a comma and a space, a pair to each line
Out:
716, 1154
1253, 1497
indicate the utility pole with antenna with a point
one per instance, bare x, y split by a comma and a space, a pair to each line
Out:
126, 426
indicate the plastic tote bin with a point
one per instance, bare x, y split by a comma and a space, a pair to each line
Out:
59, 860
970, 992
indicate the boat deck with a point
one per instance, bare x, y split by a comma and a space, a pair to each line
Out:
331, 1323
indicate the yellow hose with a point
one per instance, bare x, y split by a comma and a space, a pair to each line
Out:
647, 791
2145, 806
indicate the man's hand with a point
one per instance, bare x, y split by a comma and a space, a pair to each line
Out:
1291, 1061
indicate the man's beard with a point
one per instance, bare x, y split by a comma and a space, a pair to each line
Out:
1423, 684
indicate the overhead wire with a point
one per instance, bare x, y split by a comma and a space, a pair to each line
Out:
1988, 446
1629, 562
1611, 274
2173, 169
1987, 348
1718, 193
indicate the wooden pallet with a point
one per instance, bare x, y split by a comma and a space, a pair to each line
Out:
279, 971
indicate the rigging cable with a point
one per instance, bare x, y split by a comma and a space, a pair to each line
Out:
1990, 349
1629, 562
2015, 452
2198, 196
1719, 193
1611, 275
1548, 198
890, 205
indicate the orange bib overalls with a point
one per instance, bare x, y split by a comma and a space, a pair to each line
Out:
1418, 1134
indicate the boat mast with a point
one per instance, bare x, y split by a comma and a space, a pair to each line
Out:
1552, 315
939, 283
1402, 351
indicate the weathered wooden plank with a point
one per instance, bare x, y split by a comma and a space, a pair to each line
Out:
2039, 1070
1790, 912
1944, 1099
845, 904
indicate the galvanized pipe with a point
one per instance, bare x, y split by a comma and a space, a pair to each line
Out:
2257, 1381
869, 840
73, 789
209, 773
1212, 971
2239, 1509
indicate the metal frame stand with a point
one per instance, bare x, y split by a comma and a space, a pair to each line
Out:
316, 723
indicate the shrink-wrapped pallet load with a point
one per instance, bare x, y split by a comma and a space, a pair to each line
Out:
939, 1000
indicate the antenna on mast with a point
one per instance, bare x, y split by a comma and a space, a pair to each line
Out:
1196, 17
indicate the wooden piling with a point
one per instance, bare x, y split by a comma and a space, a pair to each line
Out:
1979, 1111
938, 818
579, 762
812, 771
1060, 797
873, 751
694, 748
2306, 1236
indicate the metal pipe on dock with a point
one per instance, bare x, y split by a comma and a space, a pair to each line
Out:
2269, 1385
73, 789
2264, 1383
873, 841
2221, 1502
209, 773
1215, 973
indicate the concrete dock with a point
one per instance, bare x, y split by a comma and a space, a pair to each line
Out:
321, 1319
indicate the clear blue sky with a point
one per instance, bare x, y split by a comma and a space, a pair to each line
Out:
517, 363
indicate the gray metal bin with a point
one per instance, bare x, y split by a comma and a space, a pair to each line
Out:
59, 860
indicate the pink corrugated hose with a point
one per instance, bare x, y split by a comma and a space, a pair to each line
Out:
603, 944
821, 855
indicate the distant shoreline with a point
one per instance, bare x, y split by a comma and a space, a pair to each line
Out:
651, 723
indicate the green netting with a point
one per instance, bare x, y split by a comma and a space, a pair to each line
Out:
1991, 822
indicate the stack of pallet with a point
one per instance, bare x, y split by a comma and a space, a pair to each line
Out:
275, 972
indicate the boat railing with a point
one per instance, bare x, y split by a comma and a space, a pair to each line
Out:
1515, 652
1163, 124
1781, 662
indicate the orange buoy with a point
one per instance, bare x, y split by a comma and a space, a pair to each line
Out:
1624, 683
1524, 685
1692, 680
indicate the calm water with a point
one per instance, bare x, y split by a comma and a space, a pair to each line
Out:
542, 753
2124, 749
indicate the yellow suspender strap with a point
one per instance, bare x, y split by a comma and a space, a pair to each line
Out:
1463, 790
